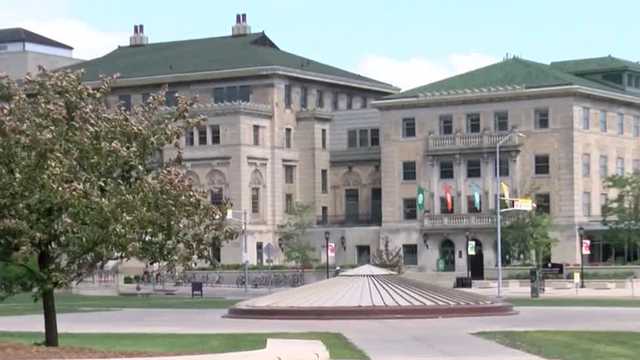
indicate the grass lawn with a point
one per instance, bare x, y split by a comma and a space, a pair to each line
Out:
23, 304
571, 345
575, 302
339, 347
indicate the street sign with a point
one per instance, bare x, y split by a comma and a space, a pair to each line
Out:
332, 249
523, 204
471, 248
586, 247
420, 198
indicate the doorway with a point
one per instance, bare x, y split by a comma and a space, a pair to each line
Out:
363, 254
476, 262
351, 200
448, 255
376, 206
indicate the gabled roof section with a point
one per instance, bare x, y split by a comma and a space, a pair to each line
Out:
205, 55
596, 65
513, 73
24, 35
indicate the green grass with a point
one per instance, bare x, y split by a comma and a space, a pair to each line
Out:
571, 345
23, 304
575, 302
339, 347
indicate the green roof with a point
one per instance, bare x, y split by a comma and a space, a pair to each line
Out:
511, 72
595, 65
208, 54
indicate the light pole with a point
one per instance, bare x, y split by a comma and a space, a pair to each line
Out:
245, 259
326, 249
581, 238
466, 235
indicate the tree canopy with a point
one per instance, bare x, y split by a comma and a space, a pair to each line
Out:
527, 239
291, 231
621, 213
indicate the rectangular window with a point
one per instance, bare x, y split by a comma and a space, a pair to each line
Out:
202, 136
541, 118
231, 94
287, 138
541, 164
446, 169
289, 174
620, 124
603, 121
324, 181
124, 101
474, 169
189, 137
244, 93
472, 207
543, 203
303, 97
352, 138
319, 99
410, 254
408, 127
170, 98
324, 139
446, 124
473, 123
636, 126
636, 166
256, 135
364, 137
586, 204
335, 104
501, 121
604, 166
620, 166
325, 215
586, 118
287, 96
216, 196
215, 134
603, 200
288, 203
444, 208
218, 95
504, 166
349, 101
255, 200
409, 170
363, 105
375, 136
586, 165
409, 209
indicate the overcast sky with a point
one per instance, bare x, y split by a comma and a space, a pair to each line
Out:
406, 43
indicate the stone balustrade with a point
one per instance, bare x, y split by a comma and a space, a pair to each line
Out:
460, 140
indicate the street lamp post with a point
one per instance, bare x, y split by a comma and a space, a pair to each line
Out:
581, 238
466, 235
326, 249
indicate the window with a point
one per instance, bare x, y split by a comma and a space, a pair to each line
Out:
334, 102
324, 139
325, 215
231, 94
202, 136
637, 82
408, 127
543, 203
349, 101
170, 98
541, 164
473, 123
324, 181
541, 118
303, 97
446, 124
504, 166
189, 137
218, 95
586, 203
636, 126
474, 169
124, 101
586, 118
410, 254
409, 170
603, 121
604, 166
636, 166
363, 104
289, 174
586, 165
256, 135
409, 209
472, 207
287, 96
604, 198
375, 137
620, 166
444, 209
244, 93
352, 138
364, 137
501, 121
319, 99
255, 200
620, 124
446, 169
216, 196
288, 203
287, 138
215, 134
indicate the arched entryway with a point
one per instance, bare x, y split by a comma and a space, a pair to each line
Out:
448, 255
476, 262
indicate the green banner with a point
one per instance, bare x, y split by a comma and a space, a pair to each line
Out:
420, 198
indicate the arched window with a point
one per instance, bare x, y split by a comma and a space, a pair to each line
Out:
217, 186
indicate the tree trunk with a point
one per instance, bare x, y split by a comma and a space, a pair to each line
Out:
50, 322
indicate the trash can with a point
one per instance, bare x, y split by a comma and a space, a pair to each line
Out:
463, 282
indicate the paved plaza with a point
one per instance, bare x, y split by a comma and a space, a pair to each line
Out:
380, 339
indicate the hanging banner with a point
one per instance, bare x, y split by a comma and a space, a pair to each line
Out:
586, 247
504, 189
448, 197
332, 249
475, 190
420, 198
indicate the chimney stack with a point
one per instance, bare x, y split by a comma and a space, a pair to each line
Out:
241, 27
138, 38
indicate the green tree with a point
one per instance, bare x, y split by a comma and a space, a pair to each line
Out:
527, 239
296, 249
388, 258
81, 184
621, 214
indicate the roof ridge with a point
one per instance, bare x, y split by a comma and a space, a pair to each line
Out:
254, 34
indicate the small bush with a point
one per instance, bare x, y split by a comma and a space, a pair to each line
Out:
128, 280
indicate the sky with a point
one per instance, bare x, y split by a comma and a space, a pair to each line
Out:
402, 42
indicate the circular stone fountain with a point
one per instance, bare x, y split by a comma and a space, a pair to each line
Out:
368, 292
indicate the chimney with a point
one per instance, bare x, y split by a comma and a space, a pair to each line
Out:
241, 27
138, 38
